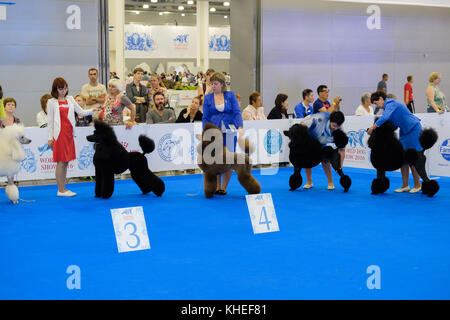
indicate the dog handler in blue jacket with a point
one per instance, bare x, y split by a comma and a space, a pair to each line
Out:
410, 129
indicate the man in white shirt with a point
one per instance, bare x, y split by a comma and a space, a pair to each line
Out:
255, 110
94, 92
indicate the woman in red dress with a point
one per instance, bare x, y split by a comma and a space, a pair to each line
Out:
61, 123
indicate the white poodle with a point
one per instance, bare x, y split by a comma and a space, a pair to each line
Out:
11, 155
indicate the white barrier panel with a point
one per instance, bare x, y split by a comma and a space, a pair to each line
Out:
175, 146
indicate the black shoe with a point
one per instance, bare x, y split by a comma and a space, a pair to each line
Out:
221, 192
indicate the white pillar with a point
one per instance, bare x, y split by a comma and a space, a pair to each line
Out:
116, 37
203, 32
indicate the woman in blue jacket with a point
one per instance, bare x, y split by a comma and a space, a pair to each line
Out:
410, 129
221, 108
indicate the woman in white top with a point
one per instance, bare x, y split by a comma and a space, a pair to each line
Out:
255, 110
365, 108
41, 117
61, 123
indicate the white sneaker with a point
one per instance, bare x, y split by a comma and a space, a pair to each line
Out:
403, 189
331, 187
308, 186
415, 190
67, 193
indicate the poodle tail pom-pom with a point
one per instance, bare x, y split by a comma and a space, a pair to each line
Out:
340, 139
411, 156
428, 138
147, 144
345, 182
430, 188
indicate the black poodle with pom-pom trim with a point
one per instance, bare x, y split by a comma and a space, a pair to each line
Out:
388, 154
111, 158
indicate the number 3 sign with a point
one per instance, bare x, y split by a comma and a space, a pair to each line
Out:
262, 213
130, 229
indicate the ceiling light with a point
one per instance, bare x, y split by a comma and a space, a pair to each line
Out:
226, 17
226, 4
181, 8
154, 1
183, 14
212, 9
137, 12
145, 6
161, 13
190, 2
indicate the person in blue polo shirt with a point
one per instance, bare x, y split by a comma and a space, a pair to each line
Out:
322, 104
304, 108
410, 129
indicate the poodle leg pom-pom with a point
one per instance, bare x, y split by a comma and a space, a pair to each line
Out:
380, 185
345, 182
430, 188
295, 181
12, 193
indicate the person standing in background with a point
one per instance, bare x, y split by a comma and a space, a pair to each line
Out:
435, 97
94, 92
138, 95
10, 108
382, 85
409, 97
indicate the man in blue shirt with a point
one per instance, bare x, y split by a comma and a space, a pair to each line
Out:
410, 129
304, 108
322, 104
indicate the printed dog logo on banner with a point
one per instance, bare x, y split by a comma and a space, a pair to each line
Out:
273, 141
85, 159
44, 149
219, 43
139, 42
29, 164
181, 42
355, 138
444, 149
169, 147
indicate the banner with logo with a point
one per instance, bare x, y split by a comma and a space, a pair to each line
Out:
175, 146
178, 42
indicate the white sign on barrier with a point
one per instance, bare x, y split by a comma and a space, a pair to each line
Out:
262, 213
130, 229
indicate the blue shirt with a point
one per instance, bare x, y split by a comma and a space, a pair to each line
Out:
400, 116
319, 127
301, 111
230, 115
318, 104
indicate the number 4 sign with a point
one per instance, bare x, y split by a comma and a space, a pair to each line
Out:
262, 213
130, 229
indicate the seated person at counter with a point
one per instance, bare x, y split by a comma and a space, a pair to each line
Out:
192, 112
160, 114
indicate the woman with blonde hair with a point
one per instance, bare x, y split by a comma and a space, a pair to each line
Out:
205, 87
115, 103
156, 85
221, 108
435, 97
192, 112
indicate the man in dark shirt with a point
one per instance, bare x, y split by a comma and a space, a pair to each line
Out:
322, 104
138, 95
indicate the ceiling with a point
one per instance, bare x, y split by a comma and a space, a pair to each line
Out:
172, 6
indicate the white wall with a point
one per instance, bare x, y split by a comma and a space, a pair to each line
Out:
308, 43
37, 47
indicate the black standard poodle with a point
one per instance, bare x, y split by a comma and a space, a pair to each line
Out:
111, 158
305, 151
388, 154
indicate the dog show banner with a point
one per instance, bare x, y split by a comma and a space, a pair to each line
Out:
175, 146
177, 42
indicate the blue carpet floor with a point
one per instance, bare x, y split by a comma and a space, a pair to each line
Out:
205, 248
